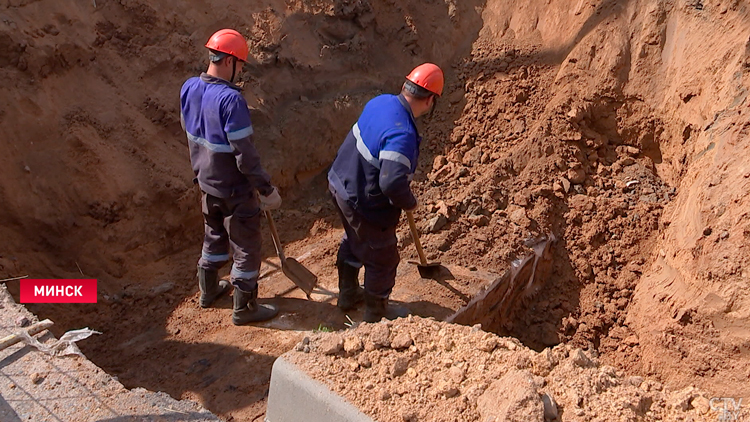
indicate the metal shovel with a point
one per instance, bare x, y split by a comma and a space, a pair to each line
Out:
425, 268
293, 270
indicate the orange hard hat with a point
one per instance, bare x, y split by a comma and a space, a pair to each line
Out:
429, 77
230, 42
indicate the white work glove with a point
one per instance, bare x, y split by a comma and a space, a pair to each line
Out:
270, 202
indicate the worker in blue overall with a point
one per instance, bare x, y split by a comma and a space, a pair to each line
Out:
235, 187
370, 183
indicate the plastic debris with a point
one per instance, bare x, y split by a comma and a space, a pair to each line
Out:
65, 346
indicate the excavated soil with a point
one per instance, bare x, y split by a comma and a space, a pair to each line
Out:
417, 369
619, 127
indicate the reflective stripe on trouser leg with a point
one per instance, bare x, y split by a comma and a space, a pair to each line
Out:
215, 237
244, 236
244, 280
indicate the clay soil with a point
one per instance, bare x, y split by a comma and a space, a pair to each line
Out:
619, 127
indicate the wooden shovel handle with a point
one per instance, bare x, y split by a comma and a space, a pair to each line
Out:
415, 236
275, 236
37, 328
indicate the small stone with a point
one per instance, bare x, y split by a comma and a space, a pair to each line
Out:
565, 184
331, 344
701, 404
579, 358
379, 335
550, 407
400, 366
479, 220
707, 231
456, 374
472, 156
306, 349
22, 321
557, 187
409, 416
436, 223
353, 365
447, 344
517, 215
576, 176
353, 344
306, 340
411, 372
364, 360
543, 190
384, 394
724, 235
631, 341
682, 399
488, 344
402, 341
446, 388
439, 162
632, 151
635, 381
37, 378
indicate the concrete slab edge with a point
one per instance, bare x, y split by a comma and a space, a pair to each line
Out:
294, 396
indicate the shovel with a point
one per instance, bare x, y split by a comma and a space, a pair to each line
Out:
425, 268
293, 270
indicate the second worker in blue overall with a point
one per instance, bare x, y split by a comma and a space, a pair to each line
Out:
370, 183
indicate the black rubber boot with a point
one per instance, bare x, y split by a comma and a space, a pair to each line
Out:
211, 287
377, 308
247, 309
350, 293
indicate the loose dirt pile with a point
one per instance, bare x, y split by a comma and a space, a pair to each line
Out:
418, 369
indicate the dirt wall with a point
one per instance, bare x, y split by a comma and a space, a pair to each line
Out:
619, 126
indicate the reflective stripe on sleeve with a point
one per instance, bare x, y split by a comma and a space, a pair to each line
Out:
362, 148
204, 143
397, 157
239, 134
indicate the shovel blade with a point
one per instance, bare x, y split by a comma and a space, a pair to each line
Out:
301, 276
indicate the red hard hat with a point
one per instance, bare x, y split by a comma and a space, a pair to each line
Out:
429, 77
230, 42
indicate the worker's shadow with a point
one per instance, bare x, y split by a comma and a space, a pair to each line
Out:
320, 312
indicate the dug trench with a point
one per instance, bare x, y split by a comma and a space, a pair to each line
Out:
611, 126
